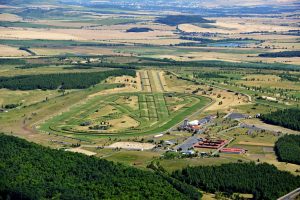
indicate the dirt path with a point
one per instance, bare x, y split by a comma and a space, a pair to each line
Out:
155, 81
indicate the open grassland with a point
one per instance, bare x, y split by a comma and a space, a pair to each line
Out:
25, 97
138, 159
22, 122
153, 115
127, 114
8, 51
260, 146
176, 164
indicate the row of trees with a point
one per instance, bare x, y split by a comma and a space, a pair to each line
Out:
30, 171
288, 118
209, 75
287, 149
63, 81
264, 181
281, 54
219, 64
290, 77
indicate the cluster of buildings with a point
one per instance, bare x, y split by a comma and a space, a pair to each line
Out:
195, 125
216, 144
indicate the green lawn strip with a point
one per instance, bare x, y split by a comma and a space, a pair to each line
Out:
161, 107
151, 107
144, 113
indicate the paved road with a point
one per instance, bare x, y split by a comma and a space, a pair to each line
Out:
291, 196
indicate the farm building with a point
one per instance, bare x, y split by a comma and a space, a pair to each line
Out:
210, 144
233, 150
195, 125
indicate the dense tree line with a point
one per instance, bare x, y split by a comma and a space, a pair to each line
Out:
202, 40
30, 171
55, 43
220, 64
62, 81
281, 54
6, 61
139, 30
264, 181
288, 118
289, 77
188, 44
174, 20
209, 75
287, 149
27, 49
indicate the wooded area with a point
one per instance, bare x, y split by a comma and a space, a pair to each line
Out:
264, 181
59, 81
288, 118
281, 54
174, 20
30, 171
287, 149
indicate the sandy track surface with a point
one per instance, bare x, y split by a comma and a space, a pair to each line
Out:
155, 81
132, 145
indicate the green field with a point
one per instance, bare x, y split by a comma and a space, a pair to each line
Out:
153, 116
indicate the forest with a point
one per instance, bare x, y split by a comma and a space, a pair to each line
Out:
281, 54
288, 118
30, 171
61, 81
287, 149
264, 181
174, 20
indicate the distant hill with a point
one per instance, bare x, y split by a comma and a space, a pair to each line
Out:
174, 20
18, 2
